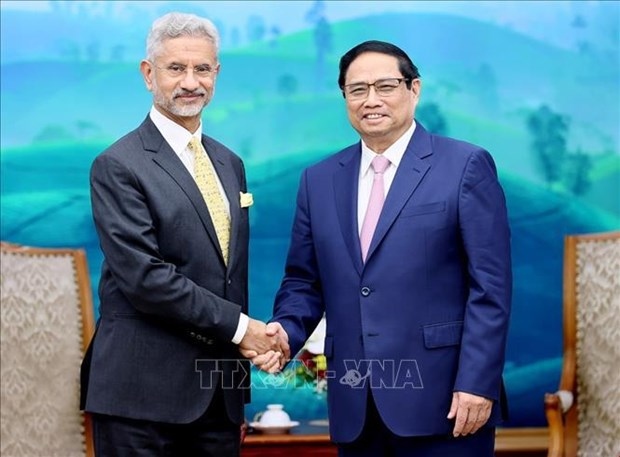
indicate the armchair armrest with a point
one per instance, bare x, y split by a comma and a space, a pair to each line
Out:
566, 399
556, 406
553, 412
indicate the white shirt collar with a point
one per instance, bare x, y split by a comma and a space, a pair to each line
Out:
394, 153
176, 136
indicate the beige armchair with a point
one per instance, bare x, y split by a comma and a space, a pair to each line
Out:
584, 414
47, 322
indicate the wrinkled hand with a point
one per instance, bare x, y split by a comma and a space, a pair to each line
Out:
256, 341
471, 412
271, 362
266, 345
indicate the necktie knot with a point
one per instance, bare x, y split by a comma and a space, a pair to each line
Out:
379, 164
195, 145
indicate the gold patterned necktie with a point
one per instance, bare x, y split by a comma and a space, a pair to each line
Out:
204, 174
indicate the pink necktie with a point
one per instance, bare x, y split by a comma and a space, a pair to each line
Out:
375, 203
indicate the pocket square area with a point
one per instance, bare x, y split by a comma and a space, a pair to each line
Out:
245, 199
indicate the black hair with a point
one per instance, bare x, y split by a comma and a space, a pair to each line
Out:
405, 65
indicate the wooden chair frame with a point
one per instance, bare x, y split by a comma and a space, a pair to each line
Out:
86, 306
561, 407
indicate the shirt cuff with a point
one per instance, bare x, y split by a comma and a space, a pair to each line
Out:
242, 327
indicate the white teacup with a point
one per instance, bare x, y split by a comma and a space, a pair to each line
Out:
274, 416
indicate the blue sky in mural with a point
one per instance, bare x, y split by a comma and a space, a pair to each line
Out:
537, 83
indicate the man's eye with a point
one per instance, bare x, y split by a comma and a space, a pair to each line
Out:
176, 68
386, 87
202, 70
357, 90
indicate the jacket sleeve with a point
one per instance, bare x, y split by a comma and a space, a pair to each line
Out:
299, 304
485, 232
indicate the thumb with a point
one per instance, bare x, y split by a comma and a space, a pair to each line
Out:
248, 354
454, 406
273, 328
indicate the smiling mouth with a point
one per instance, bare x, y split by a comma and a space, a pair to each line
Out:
189, 97
373, 116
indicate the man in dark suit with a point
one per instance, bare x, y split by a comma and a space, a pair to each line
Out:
402, 240
162, 375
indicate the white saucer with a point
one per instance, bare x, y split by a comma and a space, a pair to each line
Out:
274, 429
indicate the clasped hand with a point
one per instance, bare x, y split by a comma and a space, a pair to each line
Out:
266, 345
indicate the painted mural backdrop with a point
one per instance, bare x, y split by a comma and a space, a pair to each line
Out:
536, 83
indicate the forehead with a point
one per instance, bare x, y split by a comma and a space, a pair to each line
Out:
187, 49
372, 65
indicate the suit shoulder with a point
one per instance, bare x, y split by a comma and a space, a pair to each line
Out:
120, 147
455, 145
459, 150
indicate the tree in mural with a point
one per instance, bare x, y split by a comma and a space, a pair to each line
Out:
486, 84
70, 50
287, 85
256, 28
53, 133
548, 130
93, 51
322, 39
432, 118
560, 167
87, 129
275, 34
577, 172
118, 52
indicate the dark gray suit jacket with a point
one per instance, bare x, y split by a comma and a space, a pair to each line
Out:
169, 306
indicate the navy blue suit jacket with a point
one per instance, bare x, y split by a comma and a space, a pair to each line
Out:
427, 314
169, 306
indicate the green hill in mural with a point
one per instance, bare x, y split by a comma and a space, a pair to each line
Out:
271, 90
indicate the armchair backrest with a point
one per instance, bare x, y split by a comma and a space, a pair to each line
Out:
592, 331
46, 324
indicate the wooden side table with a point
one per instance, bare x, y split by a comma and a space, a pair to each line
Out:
310, 441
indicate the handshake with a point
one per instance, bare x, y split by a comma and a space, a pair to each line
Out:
266, 345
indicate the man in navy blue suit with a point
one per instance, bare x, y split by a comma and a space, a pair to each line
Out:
417, 300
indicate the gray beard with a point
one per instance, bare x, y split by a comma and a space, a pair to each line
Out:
181, 111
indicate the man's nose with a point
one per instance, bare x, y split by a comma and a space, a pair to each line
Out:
373, 98
189, 81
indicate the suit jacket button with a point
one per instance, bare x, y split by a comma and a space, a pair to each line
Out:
365, 291
229, 282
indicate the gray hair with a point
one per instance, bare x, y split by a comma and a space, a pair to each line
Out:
174, 25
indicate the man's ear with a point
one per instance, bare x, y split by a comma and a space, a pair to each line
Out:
416, 86
147, 73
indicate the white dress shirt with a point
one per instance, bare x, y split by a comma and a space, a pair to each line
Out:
394, 154
178, 138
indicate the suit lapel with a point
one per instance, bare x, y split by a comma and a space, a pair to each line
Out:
167, 159
346, 182
411, 170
